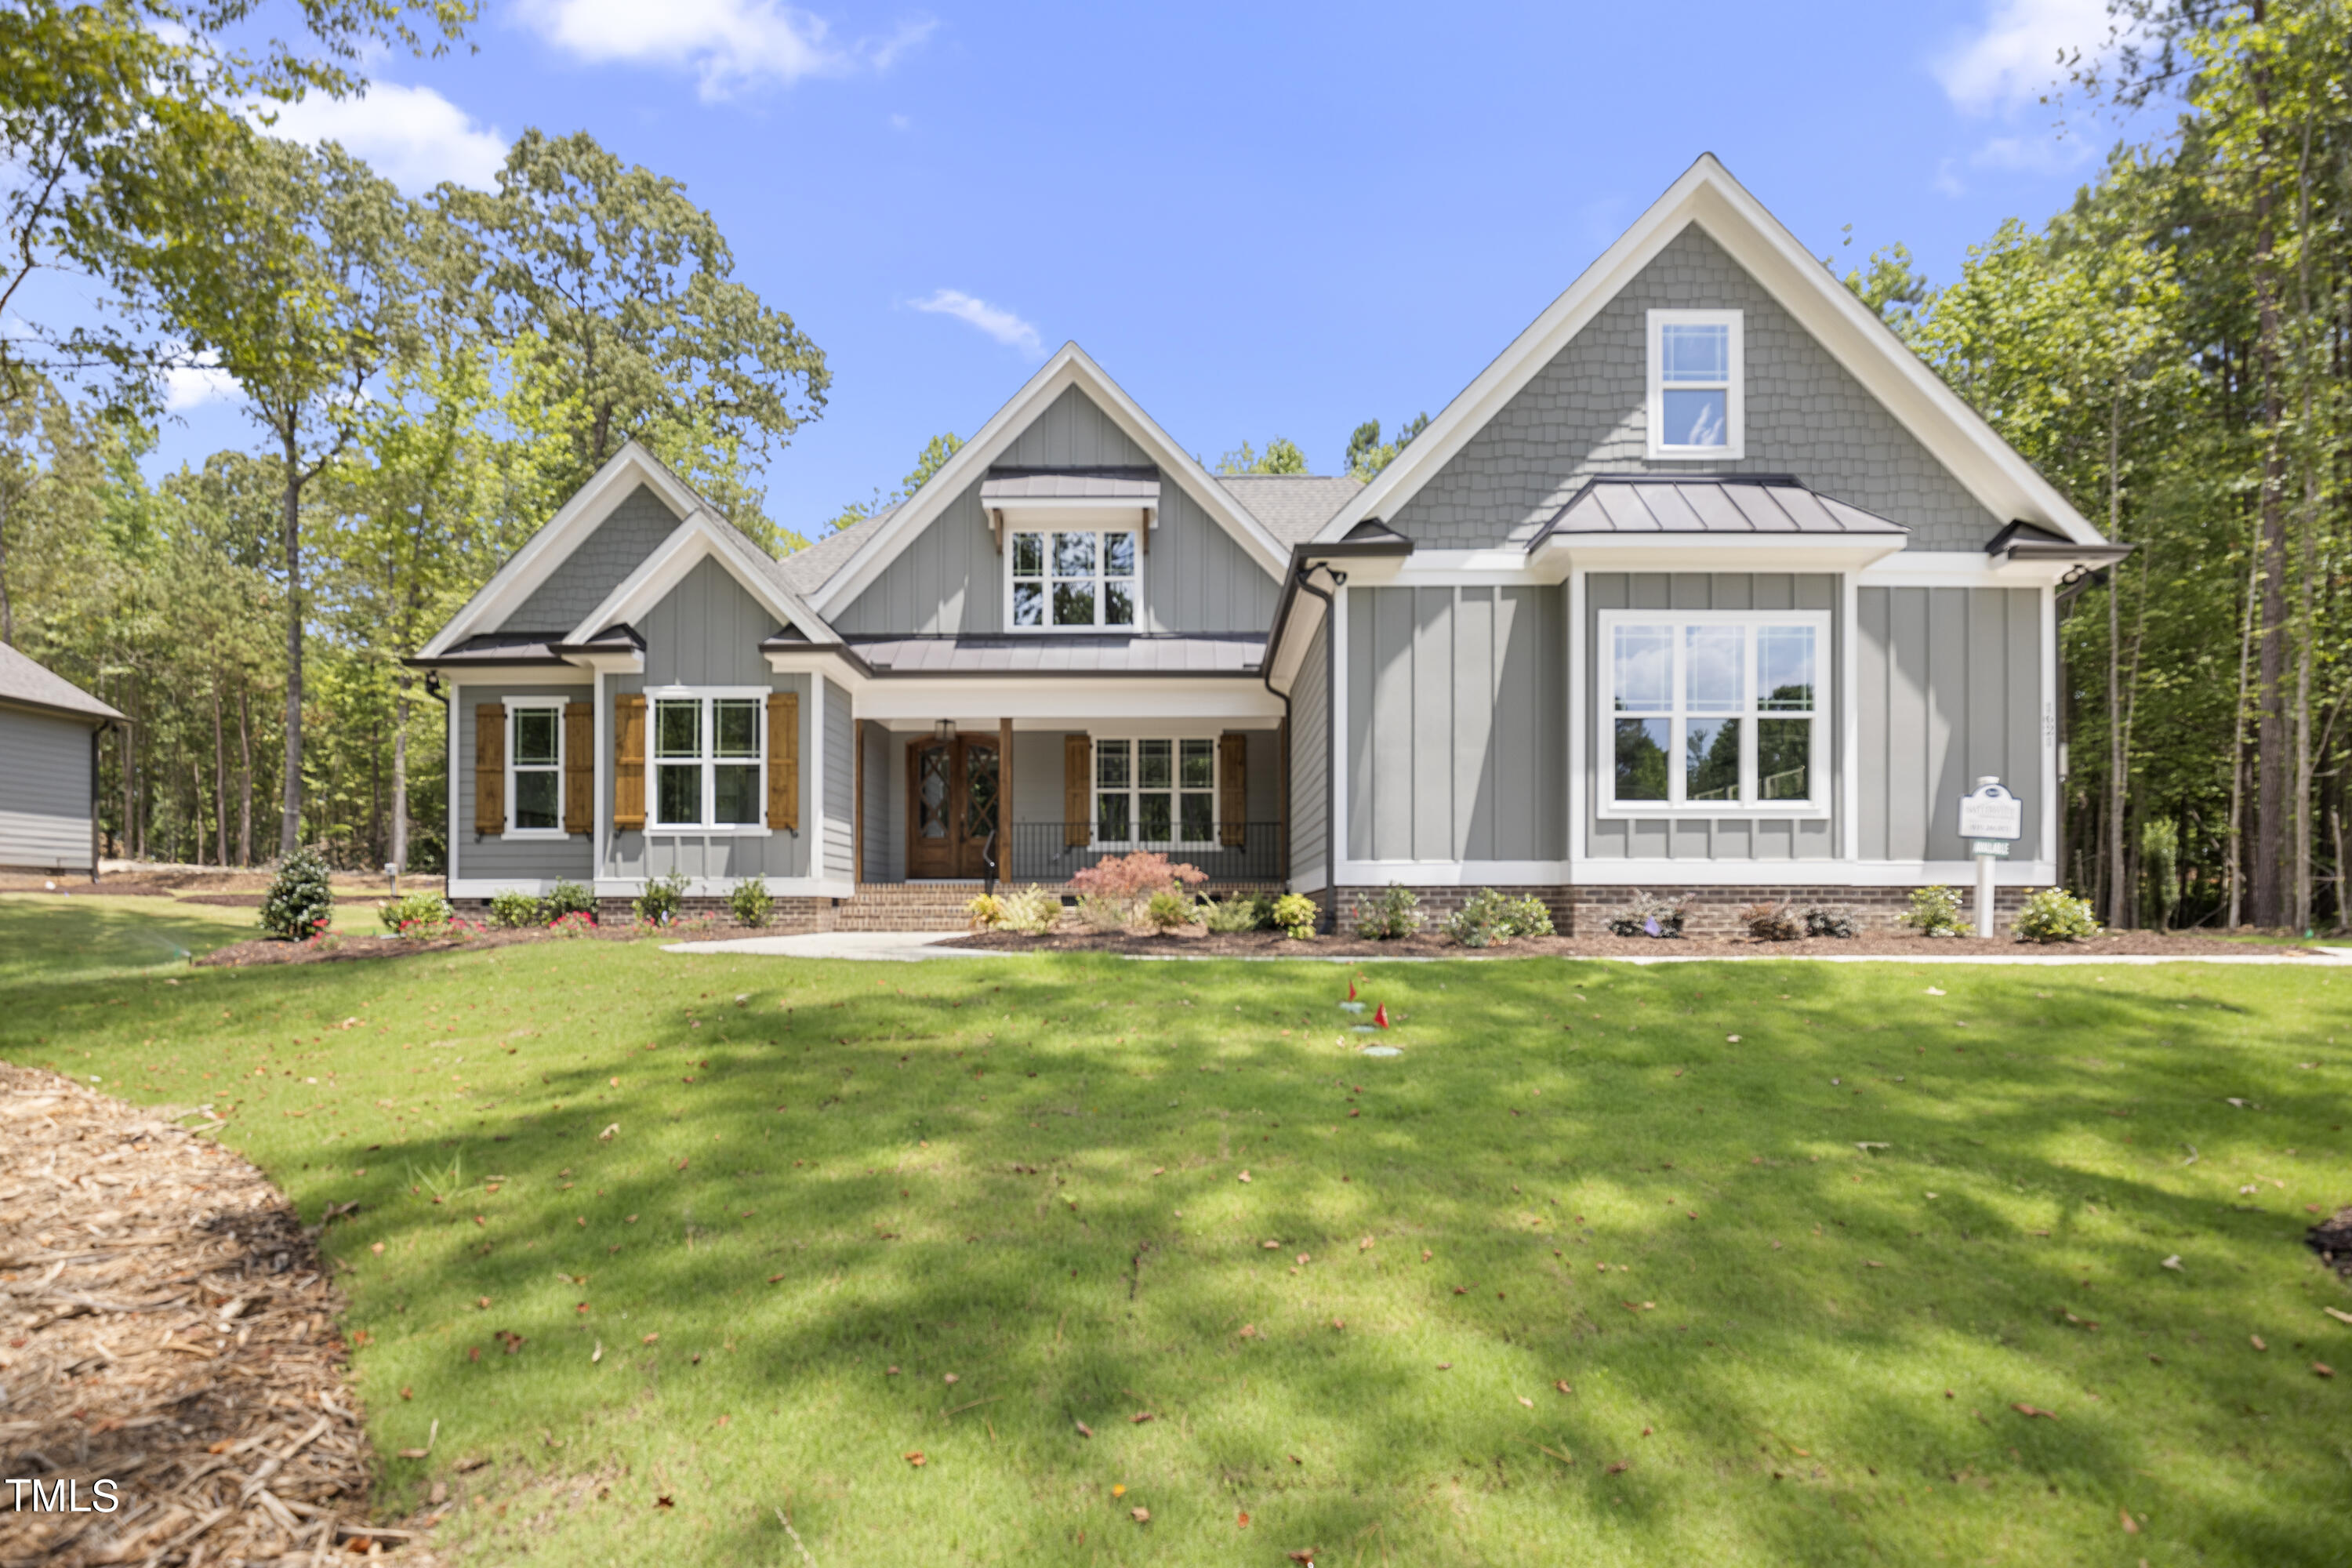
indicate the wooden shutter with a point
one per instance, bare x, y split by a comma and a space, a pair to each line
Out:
1233, 788
1077, 790
579, 768
490, 767
785, 759
628, 759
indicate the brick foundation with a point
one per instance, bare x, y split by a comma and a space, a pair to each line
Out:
1713, 910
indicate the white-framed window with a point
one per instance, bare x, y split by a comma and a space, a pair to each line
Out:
1697, 403
1155, 790
708, 759
1722, 712
1074, 579
534, 768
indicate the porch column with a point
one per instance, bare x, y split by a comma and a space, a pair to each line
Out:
1004, 800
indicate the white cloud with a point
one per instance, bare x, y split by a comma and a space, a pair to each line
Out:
2038, 155
729, 44
995, 321
193, 385
2012, 59
412, 135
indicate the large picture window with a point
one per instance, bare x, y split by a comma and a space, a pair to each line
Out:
1155, 791
1696, 403
709, 763
1723, 712
535, 767
1075, 578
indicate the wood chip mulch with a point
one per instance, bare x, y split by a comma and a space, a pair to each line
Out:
167, 1324
1193, 941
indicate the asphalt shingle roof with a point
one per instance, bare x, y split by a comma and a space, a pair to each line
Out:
36, 685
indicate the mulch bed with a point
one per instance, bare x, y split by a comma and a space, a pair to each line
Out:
2332, 1239
1198, 943
271, 950
170, 1327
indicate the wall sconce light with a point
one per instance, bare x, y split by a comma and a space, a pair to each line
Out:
943, 732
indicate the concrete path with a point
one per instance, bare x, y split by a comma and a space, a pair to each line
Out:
889, 946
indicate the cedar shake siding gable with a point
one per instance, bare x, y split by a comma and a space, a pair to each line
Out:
1586, 414
635, 529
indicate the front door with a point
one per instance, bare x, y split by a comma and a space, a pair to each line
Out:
951, 807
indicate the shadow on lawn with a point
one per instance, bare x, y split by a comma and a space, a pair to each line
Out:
887, 1226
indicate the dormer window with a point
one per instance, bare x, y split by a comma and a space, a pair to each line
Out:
1070, 579
1696, 407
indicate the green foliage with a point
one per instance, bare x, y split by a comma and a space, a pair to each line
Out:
1770, 922
664, 898
1235, 912
751, 902
2053, 914
1392, 913
1101, 913
930, 461
299, 903
984, 911
568, 897
1897, 292
1280, 456
1295, 916
418, 916
1033, 911
2159, 871
1166, 909
517, 912
1935, 911
1368, 454
1489, 918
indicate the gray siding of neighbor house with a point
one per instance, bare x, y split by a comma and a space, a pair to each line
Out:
1310, 761
44, 791
1949, 689
1455, 707
840, 782
493, 855
950, 579
620, 544
1707, 838
1587, 412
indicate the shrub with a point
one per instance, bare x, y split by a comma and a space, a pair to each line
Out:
1491, 918
1101, 913
1295, 915
417, 916
1168, 909
984, 912
1935, 911
568, 897
1128, 880
301, 903
664, 897
1649, 915
1393, 912
1033, 911
1769, 923
1241, 911
1832, 920
579, 922
2053, 914
751, 903
515, 911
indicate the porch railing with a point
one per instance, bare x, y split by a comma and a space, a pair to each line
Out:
1053, 852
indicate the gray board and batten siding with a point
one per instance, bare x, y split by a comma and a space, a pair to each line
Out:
493, 855
45, 791
1456, 715
840, 782
1310, 761
605, 559
1587, 412
950, 579
1950, 690
1700, 838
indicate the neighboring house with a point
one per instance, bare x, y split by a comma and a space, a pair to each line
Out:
1706, 585
49, 731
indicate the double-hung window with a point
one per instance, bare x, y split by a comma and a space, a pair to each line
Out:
1698, 406
1076, 578
535, 767
707, 761
1725, 711
1155, 791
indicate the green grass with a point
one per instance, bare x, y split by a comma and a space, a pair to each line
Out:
822, 1183
49, 940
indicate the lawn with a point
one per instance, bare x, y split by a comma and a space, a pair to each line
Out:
1732, 1264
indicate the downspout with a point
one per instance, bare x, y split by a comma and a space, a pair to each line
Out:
1332, 812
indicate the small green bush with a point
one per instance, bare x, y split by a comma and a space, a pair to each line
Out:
516, 910
664, 897
1102, 913
984, 912
1033, 911
1168, 909
1295, 915
1832, 920
416, 915
2053, 914
1936, 911
751, 903
1393, 912
301, 903
1769, 923
568, 897
1241, 911
1492, 918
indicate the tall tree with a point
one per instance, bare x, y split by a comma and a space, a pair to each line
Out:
928, 461
1368, 454
1280, 456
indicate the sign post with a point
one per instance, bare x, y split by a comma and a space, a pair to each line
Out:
1992, 819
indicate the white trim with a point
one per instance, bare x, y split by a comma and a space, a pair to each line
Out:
1128, 512
1101, 579
1128, 735
600, 830
1044, 698
704, 535
509, 832
1733, 445
1578, 674
1662, 874
2004, 483
631, 887
1070, 367
547, 549
1848, 700
2048, 659
449, 753
811, 777
708, 760
1748, 807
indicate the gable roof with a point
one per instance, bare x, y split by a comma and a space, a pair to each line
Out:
26, 684
704, 535
1291, 506
879, 540
1850, 331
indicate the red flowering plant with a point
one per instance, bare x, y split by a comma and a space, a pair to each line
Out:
1127, 881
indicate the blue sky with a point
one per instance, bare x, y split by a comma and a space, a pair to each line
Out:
1261, 219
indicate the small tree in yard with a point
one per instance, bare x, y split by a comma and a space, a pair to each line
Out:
301, 903
1128, 880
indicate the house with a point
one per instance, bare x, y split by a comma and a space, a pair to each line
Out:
49, 731
1704, 585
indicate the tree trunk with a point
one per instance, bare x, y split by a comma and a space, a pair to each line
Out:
400, 774
289, 829
2271, 821
2308, 524
2120, 911
244, 776
2236, 869
220, 778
